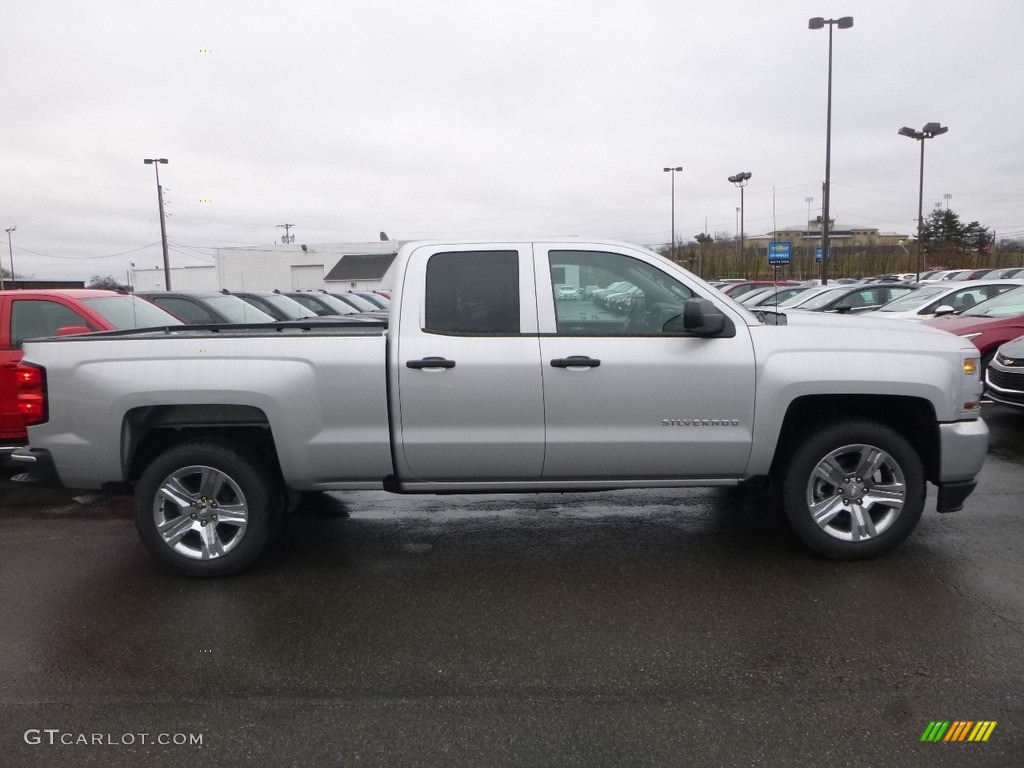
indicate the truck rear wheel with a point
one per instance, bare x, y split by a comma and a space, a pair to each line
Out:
207, 508
854, 490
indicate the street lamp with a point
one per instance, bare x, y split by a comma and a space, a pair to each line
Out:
930, 131
156, 162
817, 23
10, 252
740, 180
673, 172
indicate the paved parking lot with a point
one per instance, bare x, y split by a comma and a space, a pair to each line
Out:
628, 628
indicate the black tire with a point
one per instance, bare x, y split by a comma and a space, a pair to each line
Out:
229, 503
882, 506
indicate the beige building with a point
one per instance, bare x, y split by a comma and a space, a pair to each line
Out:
839, 235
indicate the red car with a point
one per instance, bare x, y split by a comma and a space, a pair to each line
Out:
988, 324
34, 314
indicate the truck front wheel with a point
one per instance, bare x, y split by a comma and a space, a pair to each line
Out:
854, 490
207, 508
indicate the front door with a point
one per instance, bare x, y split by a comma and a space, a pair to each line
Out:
625, 396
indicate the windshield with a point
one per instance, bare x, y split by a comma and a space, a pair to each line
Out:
913, 300
238, 311
819, 299
779, 297
363, 305
1009, 304
324, 304
375, 298
127, 312
290, 308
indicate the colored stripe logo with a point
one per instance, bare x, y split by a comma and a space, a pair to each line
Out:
958, 730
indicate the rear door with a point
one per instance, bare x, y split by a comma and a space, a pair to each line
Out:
470, 399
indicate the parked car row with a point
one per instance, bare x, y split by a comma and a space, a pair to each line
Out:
215, 307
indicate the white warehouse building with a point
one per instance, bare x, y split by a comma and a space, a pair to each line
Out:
340, 266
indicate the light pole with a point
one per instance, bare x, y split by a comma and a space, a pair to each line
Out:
930, 131
156, 162
817, 23
673, 172
10, 252
740, 180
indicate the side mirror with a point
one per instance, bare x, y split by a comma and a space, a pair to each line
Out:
944, 309
700, 318
73, 330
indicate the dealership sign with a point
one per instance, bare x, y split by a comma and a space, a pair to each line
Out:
779, 253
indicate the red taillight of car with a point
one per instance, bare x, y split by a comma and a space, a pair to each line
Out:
31, 382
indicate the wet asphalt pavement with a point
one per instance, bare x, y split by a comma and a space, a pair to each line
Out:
628, 628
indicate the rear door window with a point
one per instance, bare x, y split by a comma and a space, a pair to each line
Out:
473, 292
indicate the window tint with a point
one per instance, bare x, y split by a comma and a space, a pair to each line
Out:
32, 319
130, 312
473, 292
616, 295
189, 312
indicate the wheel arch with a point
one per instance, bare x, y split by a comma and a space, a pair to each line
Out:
914, 418
149, 431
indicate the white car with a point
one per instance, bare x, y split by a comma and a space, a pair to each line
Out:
566, 292
946, 297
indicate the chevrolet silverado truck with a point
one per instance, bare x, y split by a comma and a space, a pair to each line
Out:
483, 381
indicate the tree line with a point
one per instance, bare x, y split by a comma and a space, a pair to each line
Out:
947, 242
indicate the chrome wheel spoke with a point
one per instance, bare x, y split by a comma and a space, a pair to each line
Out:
861, 524
830, 471
212, 546
871, 459
173, 491
211, 484
175, 529
233, 514
887, 495
823, 512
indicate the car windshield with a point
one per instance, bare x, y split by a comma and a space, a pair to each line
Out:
913, 300
290, 308
238, 311
325, 304
127, 312
383, 302
820, 299
357, 301
779, 297
1009, 304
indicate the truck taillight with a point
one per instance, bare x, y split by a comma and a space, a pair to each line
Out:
31, 382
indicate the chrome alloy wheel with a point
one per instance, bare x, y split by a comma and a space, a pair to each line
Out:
200, 512
856, 492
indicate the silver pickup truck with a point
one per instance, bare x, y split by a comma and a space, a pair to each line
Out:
489, 377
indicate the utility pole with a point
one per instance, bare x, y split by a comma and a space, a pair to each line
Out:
287, 238
156, 162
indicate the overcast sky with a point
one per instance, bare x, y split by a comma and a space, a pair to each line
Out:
488, 119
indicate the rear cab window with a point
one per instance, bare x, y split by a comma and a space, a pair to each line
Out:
39, 318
